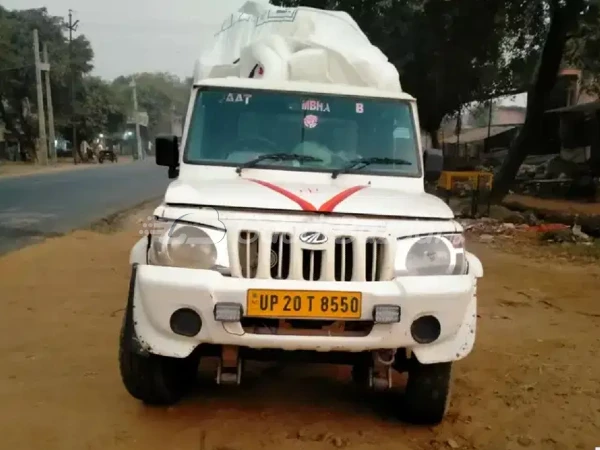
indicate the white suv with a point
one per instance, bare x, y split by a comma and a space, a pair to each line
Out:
298, 226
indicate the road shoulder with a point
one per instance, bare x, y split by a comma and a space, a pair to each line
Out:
9, 169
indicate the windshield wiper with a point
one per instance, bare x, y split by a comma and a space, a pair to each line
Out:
277, 157
357, 164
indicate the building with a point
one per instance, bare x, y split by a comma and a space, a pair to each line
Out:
578, 124
473, 136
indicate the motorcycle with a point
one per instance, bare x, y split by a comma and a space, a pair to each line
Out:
107, 154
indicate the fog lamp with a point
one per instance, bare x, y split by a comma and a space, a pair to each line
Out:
386, 314
228, 312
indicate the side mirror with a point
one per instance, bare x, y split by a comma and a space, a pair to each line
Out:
433, 160
167, 154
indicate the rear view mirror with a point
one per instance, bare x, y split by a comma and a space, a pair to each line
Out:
167, 154
433, 160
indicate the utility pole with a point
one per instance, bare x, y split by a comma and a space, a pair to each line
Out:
136, 114
486, 143
72, 27
42, 148
51, 132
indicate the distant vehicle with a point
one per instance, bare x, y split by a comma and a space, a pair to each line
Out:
107, 154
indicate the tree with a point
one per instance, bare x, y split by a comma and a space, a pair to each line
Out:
481, 114
583, 48
159, 94
100, 109
448, 53
17, 73
564, 19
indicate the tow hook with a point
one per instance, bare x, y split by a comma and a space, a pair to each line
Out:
229, 370
380, 372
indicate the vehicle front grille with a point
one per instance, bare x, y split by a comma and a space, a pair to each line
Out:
312, 264
374, 259
248, 251
281, 256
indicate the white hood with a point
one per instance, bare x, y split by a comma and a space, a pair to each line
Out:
254, 193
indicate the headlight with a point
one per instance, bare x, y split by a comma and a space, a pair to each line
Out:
432, 255
183, 245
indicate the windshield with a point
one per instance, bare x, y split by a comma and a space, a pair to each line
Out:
230, 128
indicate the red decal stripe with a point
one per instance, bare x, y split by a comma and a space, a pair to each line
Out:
330, 204
306, 206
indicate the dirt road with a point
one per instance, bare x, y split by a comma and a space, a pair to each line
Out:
532, 382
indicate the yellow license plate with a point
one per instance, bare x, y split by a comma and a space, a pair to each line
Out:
303, 304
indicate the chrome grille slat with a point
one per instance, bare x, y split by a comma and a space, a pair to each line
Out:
328, 269
343, 271
279, 248
280, 259
312, 264
296, 260
264, 255
374, 266
344, 255
248, 248
248, 266
233, 239
359, 251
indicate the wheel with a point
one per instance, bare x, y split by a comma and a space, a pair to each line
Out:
101, 159
427, 393
154, 379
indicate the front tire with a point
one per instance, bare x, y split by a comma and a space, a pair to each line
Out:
427, 393
154, 379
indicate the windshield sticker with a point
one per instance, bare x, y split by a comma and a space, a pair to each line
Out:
401, 133
311, 121
360, 108
238, 98
315, 105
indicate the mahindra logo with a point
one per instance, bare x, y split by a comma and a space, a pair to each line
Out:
313, 237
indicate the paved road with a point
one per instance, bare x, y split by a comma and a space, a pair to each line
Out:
36, 206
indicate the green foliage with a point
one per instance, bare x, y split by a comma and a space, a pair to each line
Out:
159, 94
17, 71
449, 53
481, 114
100, 109
583, 49
565, 19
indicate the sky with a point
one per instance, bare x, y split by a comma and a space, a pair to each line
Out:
131, 36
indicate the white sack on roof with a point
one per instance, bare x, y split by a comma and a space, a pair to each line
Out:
300, 44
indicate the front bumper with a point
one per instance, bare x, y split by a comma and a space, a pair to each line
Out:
156, 292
